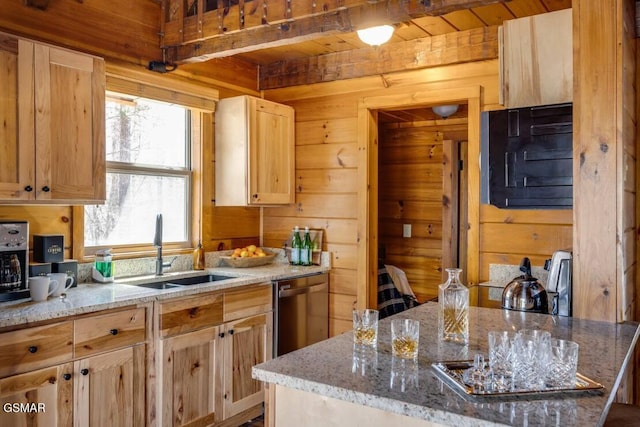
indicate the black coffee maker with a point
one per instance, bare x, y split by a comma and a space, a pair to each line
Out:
525, 293
14, 247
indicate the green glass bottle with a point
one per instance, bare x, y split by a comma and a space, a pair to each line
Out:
296, 246
307, 247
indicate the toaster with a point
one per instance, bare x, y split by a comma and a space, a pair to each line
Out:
559, 284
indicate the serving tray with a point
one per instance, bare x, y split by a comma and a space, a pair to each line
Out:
452, 374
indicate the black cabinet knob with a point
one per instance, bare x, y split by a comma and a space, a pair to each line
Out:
46, 189
113, 332
255, 196
67, 377
230, 331
84, 371
28, 189
221, 334
33, 349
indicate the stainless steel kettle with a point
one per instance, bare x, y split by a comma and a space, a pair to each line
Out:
525, 293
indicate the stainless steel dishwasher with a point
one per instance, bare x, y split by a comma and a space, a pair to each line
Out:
301, 313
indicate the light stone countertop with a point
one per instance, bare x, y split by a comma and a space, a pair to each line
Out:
331, 368
92, 297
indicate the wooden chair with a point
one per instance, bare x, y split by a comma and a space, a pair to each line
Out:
621, 415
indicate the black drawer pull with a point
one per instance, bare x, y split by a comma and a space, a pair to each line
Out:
46, 189
230, 331
221, 334
33, 349
28, 189
113, 332
67, 377
84, 371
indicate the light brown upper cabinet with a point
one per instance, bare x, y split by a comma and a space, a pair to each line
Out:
537, 60
254, 152
52, 104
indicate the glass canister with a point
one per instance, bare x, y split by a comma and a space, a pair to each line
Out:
453, 297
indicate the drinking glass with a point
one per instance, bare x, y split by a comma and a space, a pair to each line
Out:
563, 364
501, 357
531, 351
365, 327
405, 335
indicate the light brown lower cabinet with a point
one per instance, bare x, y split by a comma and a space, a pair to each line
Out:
247, 342
189, 365
87, 371
103, 390
205, 375
39, 398
109, 389
206, 346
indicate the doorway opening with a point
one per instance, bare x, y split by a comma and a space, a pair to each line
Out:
463, 239
422, 194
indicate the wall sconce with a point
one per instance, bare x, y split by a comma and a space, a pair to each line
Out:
375, 36
445, 111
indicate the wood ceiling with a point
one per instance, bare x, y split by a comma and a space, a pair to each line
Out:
294, 42
468, 19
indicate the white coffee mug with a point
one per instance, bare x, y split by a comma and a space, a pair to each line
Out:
64, 282
40, 287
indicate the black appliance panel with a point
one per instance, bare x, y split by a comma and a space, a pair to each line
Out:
530, 157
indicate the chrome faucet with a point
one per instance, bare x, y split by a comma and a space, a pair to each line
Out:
157, 243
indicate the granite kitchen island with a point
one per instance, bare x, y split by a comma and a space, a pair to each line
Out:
331, 383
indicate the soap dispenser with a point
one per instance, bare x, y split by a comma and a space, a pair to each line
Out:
198, 257
103, 267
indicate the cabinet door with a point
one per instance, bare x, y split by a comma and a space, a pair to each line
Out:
110, 389
537, 60
69, 125
17, 179
247, 342
271, 153
38, 398
190, 378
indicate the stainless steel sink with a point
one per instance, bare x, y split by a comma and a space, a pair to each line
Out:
155, 285
171, 283
198, 279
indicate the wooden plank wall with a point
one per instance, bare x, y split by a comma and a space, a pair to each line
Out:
326, 167
326, 193
411, 192
506, 236
604, 134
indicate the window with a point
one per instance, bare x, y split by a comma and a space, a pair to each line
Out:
148, 156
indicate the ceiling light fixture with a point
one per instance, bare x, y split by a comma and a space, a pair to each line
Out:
445, 111
375, 36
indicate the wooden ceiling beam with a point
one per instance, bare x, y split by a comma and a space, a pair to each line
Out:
357, 15
464, 46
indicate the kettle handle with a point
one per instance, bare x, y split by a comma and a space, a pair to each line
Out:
525, 267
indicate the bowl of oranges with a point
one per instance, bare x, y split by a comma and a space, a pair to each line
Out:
248, 256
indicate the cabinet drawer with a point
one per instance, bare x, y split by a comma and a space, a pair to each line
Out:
190, 314
247, 301
108, 331
34, 348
